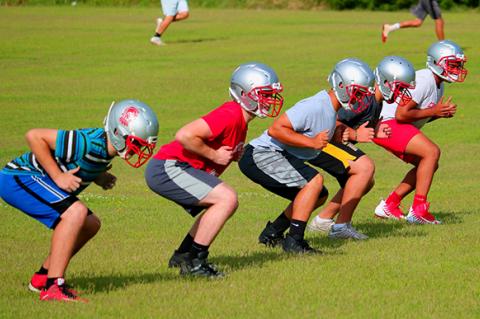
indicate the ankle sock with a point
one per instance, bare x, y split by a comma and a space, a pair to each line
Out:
419, 199
186, 244
393, 198
42, 271
282, 223
196, 249
297, 229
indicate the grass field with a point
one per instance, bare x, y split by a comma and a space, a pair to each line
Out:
60, 67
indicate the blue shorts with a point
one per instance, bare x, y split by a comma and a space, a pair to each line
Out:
172, 7
37, 196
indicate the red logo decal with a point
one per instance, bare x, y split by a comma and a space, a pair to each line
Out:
128, 115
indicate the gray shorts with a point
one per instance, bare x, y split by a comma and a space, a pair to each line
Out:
425, 7
180, 182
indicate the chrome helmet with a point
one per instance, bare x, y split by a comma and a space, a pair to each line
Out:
395, 76
352, 80
255, 86
446, 59
132, 129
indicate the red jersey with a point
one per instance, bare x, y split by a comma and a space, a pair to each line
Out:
228, 128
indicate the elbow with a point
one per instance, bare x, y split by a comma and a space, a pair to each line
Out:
272, 131
31, 135
183, 136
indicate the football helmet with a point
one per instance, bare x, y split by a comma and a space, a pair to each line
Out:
255, 86
132, 129
395, 76
352, 81
446, 59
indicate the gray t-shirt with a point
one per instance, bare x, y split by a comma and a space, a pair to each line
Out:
309, 117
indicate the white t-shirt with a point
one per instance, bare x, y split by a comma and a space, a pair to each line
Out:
426, 95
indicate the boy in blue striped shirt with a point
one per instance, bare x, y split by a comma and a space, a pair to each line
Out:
44, 182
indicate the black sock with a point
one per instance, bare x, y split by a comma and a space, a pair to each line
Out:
42, 271
297, 229
158, 35
196, 249
281, 223
50, 282
186, 244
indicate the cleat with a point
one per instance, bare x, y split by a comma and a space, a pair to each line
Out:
346, 232
388, 211
37, 283
177, 259
199, 267
321, 225
60, 293
270, 237
156, 41
420, 215
385, 31
291, 245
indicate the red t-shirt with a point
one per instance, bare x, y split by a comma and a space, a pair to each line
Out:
228, 129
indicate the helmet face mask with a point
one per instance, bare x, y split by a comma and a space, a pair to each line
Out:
395, 76
255, 86
132, 129
447, 60
352, 81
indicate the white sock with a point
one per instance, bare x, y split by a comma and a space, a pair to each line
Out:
394, 27
320, 219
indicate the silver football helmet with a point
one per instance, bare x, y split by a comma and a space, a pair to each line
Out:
132, 129
395, 76
352, 80
446, 59
255, 86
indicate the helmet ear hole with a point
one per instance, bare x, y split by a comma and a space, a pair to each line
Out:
340, 85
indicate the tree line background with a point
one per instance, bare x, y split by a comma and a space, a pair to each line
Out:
377, 5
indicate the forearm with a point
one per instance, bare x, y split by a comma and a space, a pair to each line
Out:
42, 151
196, 145
413, 115
290, 137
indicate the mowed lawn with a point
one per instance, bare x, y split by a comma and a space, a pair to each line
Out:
60, 67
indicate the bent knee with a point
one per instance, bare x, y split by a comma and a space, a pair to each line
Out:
364, 165
93, 223
77, 212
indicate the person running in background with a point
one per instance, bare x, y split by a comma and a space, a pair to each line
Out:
173, 10
421, 10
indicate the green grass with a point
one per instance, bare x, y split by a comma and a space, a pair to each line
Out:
62, 66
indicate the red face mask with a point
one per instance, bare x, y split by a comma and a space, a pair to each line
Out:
269, 100
401, 93
137, 151
358, 94
454, 68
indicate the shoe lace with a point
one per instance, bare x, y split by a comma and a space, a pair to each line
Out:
65, 290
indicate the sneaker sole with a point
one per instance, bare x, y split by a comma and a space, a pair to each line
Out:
33, 288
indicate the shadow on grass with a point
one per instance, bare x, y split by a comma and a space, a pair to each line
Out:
106, 283
451, 217
254, 259
199, 40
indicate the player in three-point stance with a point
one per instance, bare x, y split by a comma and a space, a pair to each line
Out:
277, 160
44, 183
354, 170
186, 170
445, 62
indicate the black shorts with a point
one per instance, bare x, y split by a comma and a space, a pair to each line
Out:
279, 172
180, 182
425, 7
335, 160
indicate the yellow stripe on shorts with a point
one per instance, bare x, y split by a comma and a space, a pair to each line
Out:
339, 154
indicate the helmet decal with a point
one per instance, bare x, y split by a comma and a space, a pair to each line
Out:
128, 115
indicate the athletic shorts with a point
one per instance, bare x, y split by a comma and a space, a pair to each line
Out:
172, 7
335, 160
37, 196
425, 7
279, 172
397, 143
180, 182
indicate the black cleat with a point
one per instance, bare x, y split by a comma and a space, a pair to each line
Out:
177, 259
199, 267
270, 236
291, 245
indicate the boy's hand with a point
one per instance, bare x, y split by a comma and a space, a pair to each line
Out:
383, 130
106, 180
445, 109
365, 134
223, 155
320, 140
68, 181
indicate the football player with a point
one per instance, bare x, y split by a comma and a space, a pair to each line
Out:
44, 183
347, 163
445, 63
279, 159
186, 170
